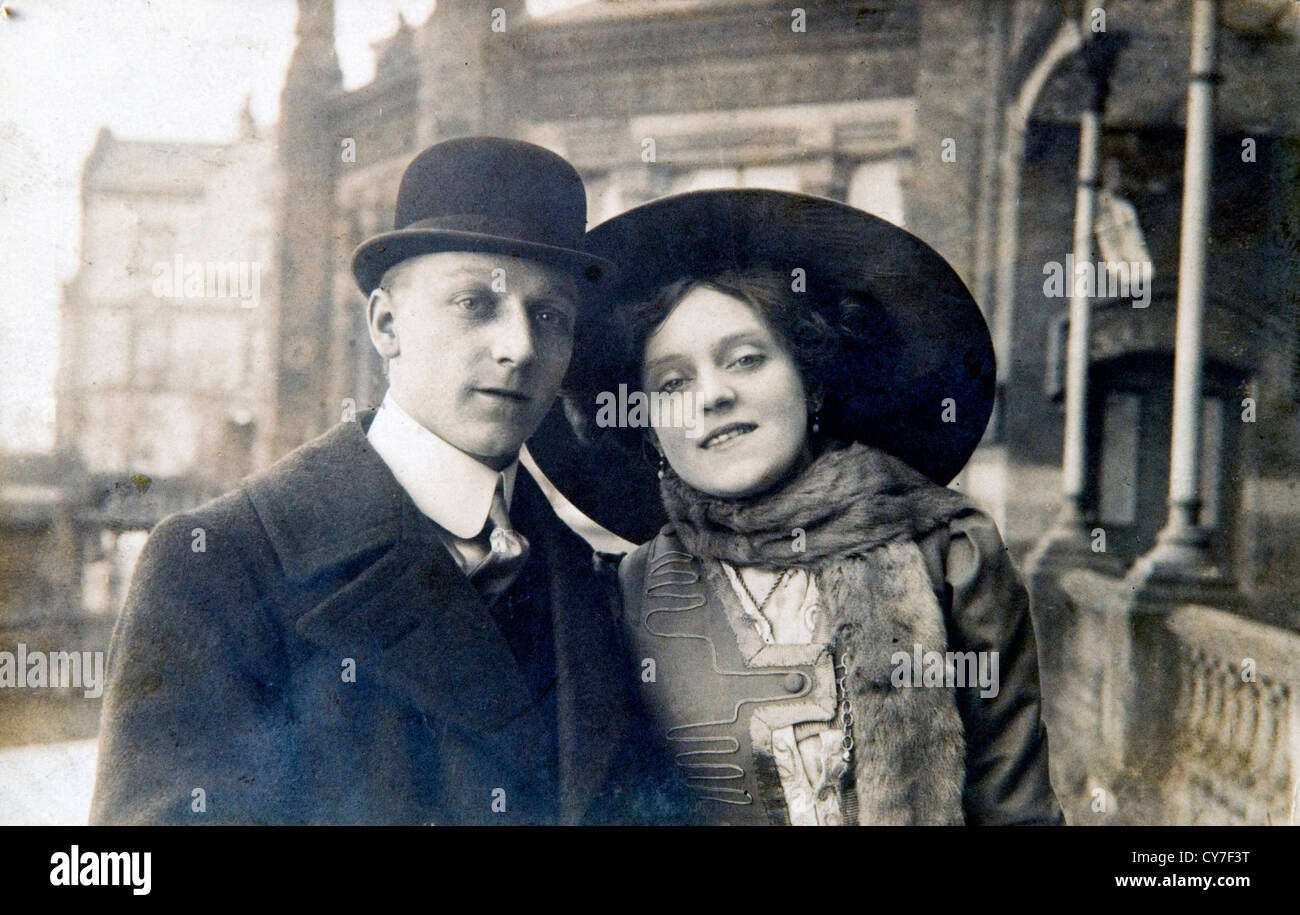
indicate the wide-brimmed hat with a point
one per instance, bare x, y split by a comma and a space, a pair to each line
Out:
486, 194
918, 378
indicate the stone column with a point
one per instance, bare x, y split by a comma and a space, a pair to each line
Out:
1074, 456
998, 15
1069, 540
1181, 553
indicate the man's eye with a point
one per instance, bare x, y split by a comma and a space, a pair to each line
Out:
467, 302
553, 318
672, 384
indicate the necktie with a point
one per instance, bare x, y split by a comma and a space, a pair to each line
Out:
504, 550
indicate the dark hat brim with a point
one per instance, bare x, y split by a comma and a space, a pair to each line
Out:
923, 341
373, 257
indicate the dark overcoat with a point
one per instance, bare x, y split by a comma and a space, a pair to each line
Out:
304, 650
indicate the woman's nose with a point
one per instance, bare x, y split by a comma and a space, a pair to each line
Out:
715, 393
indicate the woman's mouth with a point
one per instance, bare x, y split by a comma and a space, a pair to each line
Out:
728, 433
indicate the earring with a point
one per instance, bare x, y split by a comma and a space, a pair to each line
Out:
662, 465
817, 422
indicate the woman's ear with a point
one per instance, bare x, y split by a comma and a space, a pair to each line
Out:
651, 453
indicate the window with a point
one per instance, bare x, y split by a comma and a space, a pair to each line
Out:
1118, 496
877, 187
1212, 410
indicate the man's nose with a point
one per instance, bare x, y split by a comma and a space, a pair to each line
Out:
512, 333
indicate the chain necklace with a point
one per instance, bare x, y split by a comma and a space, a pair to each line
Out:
841, 681
770, 591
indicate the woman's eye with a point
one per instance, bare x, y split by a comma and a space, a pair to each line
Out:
467, 302
748, 360
672, 384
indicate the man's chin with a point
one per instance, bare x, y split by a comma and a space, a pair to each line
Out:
496, 450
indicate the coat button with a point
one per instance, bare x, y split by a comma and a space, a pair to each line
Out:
793, 682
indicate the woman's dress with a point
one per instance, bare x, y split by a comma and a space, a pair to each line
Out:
752, 706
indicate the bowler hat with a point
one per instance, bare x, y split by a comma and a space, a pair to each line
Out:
917, 377
486, 194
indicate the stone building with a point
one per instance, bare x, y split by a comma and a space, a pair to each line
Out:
166, 327
164, 392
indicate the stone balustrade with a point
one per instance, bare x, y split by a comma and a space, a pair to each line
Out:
1177, 713
1235, 719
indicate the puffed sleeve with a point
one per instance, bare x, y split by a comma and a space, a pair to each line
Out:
987, 610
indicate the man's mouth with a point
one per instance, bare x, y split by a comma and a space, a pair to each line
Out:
728, 433
514, 395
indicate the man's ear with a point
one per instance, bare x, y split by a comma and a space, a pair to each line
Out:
380, 322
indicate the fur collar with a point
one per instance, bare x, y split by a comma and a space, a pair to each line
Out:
849, 500
908, 741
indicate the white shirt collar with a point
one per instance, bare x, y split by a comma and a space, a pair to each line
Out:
445, 483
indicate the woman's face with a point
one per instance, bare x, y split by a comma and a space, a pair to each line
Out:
750, 407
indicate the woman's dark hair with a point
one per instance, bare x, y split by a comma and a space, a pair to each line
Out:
797, 322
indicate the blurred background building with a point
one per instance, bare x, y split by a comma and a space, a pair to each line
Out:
991, 128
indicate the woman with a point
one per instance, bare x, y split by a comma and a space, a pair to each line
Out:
826, 634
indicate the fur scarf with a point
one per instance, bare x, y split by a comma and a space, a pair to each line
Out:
858, 512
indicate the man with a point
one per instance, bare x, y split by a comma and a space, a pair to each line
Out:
391, 625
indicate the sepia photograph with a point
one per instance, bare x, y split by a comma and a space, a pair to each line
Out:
650, 412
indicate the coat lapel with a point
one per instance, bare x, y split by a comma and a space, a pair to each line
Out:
409, 617
414, 620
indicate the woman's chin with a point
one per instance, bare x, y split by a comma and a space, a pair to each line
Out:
738, 485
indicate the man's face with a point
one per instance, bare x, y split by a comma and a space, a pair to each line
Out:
477, 345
